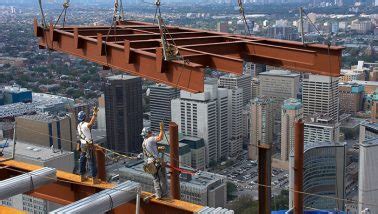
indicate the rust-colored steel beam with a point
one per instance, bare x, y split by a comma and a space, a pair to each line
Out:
134, 47
174, 160
298, 167
100, 160
69, 189
264, 177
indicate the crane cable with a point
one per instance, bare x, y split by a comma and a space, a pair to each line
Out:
242, 13
66, 4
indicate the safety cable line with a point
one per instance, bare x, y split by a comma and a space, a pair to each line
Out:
270, 186
267, 186
241, 10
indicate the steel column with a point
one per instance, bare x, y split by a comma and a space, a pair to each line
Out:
264, 177
298, 167
174, 160
100, 160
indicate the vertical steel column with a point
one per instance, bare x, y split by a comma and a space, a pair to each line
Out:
298, 167
100, 159
264, 177
174, 160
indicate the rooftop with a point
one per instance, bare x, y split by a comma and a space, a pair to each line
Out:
292, 104
281, 73
32, 152
43, 117
122, 77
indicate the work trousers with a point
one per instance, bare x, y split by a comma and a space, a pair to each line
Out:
85, 155
160, 182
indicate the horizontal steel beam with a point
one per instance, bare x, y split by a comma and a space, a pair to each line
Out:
26, 182
68, 189
103, 201
135, 47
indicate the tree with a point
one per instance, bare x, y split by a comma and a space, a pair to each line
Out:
281, 202
244, 205
231, 189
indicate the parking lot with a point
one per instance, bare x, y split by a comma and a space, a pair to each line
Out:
244, 174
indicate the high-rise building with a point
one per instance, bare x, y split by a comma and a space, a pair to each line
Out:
318, 128
368, 175
204, 188
124, 113
205, 115
351, 98
236, 122
160, 105
262, 125
101, 117
279, 85
292, 111
323, 175
246, 117
222, 27
54, 131
320, 94
232, 81
368, 131
255, 86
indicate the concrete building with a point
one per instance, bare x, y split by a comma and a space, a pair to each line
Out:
124, 113
368, 131
246, 124
324, 174
262, 125
368, 176
351, 98
232, 81
16, 94
292, 111
204, 188
279, 85
160, 105
48, 130
362, 27
255, 88
369, 86
347, 75
205, 115
239, 94
197, 149
101, 116
320, 94
40, 156
318, 128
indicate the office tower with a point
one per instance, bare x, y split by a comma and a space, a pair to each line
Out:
124, 113
319, 128
368, 131
207, 189
368, 175
205, 115
320, 94
258, 68
101, 117
16, 94
292, 111
324, 174
279, 85
255, 86
222, 27
351, 98
58, 131
40, 156
236, 121
232, 81
262, 125
246, 125
160, 105
197, 150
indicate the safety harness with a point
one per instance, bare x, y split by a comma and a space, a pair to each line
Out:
89, 143
150, 168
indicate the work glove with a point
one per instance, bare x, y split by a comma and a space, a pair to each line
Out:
140, 156
161, 148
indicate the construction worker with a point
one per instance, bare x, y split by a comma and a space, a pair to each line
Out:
86, 146
155, 165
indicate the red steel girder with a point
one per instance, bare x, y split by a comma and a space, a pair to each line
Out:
134, 47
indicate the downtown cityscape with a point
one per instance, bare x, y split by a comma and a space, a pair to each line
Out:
268, 106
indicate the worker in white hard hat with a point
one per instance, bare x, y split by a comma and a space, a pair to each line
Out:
86, 146
155, 165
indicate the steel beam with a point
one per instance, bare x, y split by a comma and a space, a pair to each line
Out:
174, 160
26, 182
103, 201
134, 47
264, 177
298, 166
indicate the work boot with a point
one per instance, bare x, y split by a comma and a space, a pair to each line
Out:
83, 178
95, 181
